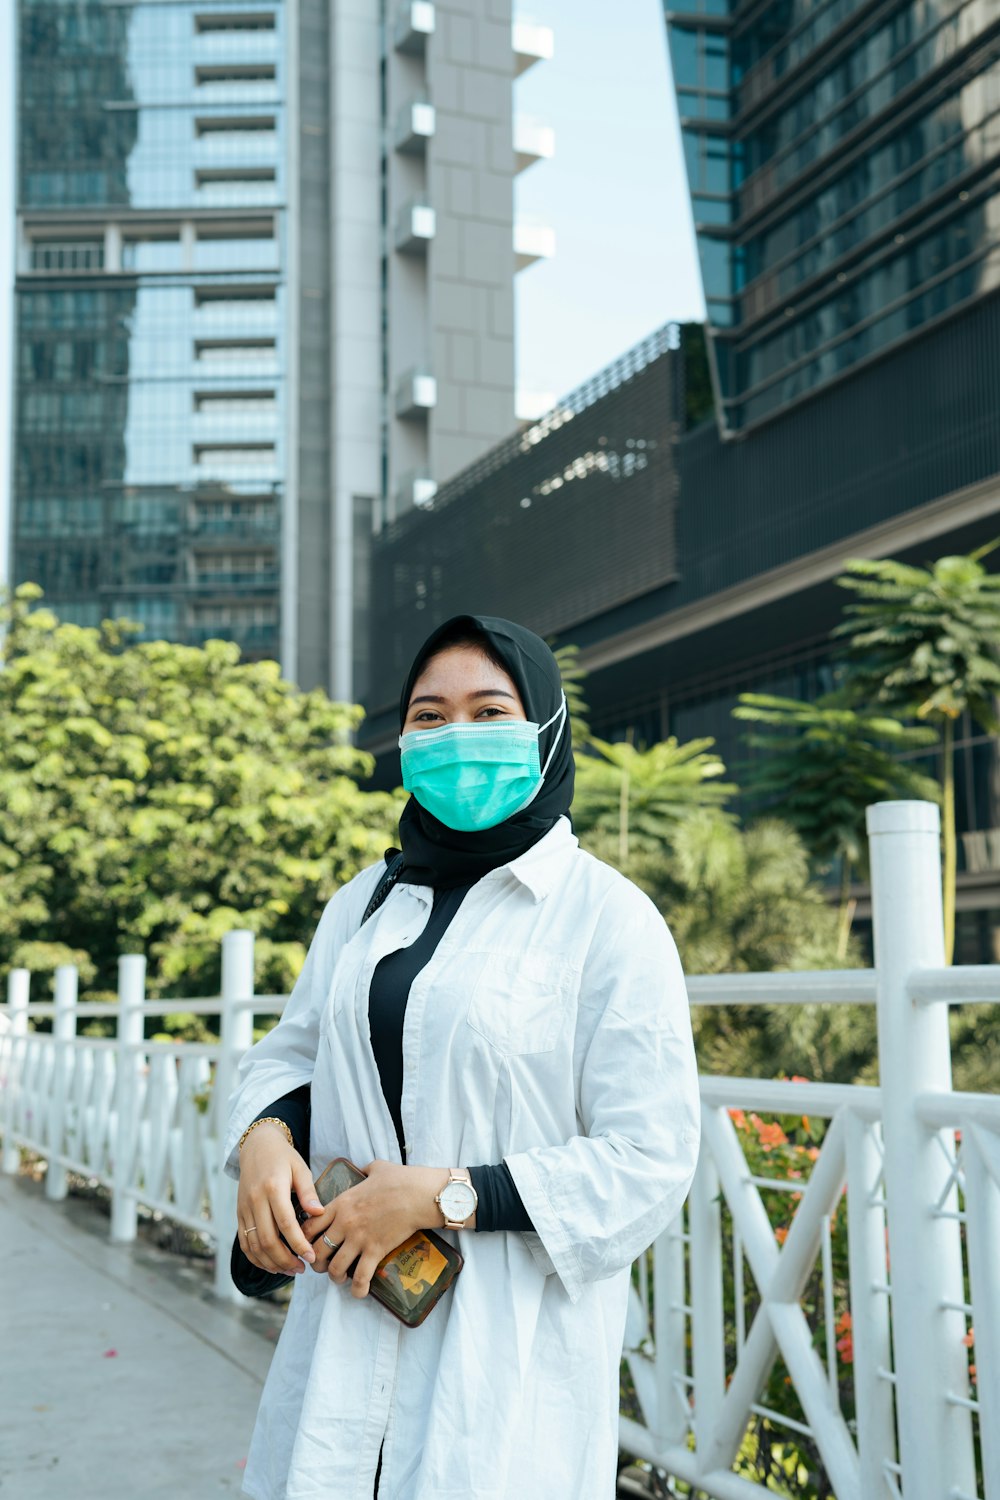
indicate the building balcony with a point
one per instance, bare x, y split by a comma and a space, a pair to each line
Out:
211, 532
414, 24
61, 256
533, 141
532, 242
233, 579
242, 462
416, 395
414, 127
415, 226
532, 43
414, 489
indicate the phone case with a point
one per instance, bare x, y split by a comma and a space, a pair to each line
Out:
411, 1279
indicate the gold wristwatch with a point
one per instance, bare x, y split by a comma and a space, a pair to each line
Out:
458, 1199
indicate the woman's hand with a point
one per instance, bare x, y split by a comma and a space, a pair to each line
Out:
270, 1172
369, 1220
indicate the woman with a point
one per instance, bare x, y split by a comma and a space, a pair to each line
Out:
514, 1017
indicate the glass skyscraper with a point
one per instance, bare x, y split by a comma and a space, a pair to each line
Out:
264, 301
149, 419
843, 159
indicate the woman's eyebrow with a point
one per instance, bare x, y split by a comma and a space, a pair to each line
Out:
479, 693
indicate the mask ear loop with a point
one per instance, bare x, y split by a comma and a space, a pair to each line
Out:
560, 712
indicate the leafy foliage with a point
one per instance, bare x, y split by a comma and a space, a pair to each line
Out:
826, 764
638, 796
153, 797
573, 677
925, 642
823, 767
740, 901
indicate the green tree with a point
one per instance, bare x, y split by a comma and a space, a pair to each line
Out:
155, 796
573, 677
925, 642
638, 795
743, 900
822, 768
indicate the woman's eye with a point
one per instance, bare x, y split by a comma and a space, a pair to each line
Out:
492, 712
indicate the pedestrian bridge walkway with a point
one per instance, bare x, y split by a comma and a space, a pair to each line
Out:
122, 1375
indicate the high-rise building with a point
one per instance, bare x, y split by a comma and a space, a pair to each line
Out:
264, 300
843, 160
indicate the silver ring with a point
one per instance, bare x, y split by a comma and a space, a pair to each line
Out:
328, 1241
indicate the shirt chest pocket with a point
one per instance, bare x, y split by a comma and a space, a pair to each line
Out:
520, 1000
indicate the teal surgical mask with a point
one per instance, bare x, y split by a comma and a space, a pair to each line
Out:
474, 776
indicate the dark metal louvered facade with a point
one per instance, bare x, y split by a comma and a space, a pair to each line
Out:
572, 516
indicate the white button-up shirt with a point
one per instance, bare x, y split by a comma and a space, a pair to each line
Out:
550, 1030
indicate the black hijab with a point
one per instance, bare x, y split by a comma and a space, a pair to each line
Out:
439, 856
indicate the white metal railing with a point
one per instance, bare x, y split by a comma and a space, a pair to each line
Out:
720, 1296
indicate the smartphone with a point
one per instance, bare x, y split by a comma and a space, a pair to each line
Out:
412, 1279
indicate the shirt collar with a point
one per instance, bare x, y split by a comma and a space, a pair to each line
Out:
539, 867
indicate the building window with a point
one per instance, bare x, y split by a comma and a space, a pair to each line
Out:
249, 308
67, 255
154, 252
216, 125
227, 249
236, 403
254, 20
221, 73
212, 459
235, 352
156, 614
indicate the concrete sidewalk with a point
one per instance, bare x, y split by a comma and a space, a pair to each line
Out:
168, 1414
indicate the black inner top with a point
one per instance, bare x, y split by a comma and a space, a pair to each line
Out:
500, 1205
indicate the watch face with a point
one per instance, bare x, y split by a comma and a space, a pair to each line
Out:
457, 1200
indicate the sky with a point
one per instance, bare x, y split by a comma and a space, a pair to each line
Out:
615, 194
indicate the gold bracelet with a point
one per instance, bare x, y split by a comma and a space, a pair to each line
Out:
267, 1120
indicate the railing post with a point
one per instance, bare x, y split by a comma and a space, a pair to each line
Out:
935, 1434
63, 1033
131, 992
235, 1036
18, 988
707, 1315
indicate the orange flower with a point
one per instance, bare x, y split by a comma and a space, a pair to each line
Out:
970, 1338
797, 1078
844, 1321
845, 1348
771, 1135
738, 1118
805, 1122
812, 1152
781, 1233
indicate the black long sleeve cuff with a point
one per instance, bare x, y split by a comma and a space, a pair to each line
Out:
500, 1205
295, 1109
